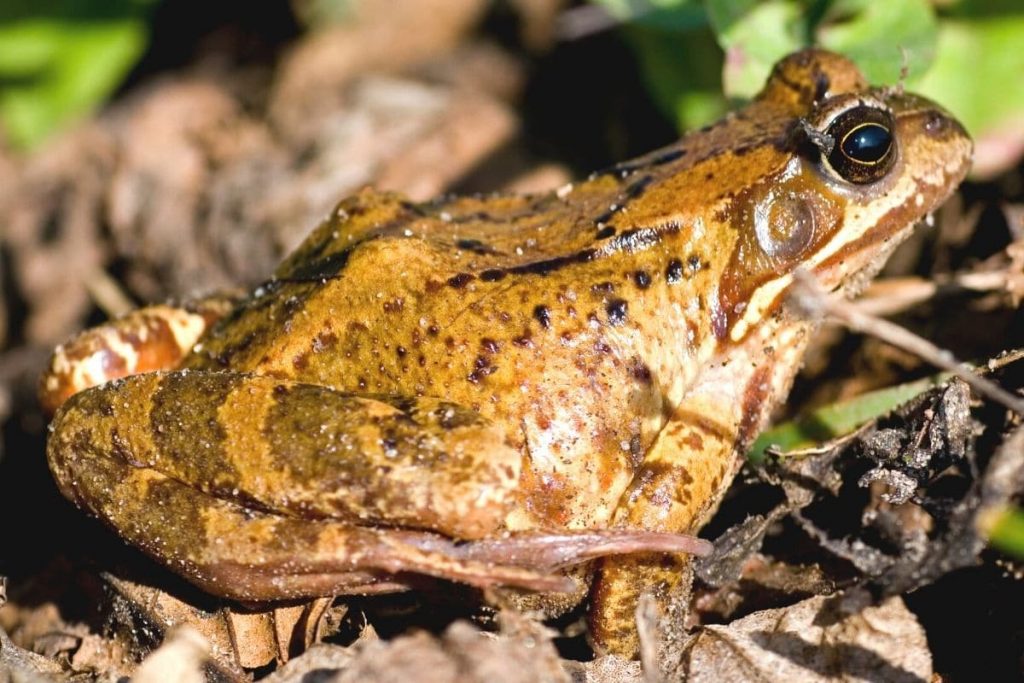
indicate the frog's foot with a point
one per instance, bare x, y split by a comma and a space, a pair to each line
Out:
151, 338
260, 489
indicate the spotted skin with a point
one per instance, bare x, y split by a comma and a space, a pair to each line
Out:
509, 370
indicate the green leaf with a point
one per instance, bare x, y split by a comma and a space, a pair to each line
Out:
838, 419
754, 36
682, 71
318, 13
978, 72
881, 36
1005, 529
60, 59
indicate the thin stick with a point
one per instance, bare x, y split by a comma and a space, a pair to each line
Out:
648, 618
895, 295
808, 296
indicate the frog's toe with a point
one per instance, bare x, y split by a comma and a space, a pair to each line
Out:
152, 338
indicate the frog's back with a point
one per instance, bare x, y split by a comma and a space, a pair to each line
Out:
379, 257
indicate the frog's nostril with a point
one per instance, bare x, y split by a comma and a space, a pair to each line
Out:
936, 123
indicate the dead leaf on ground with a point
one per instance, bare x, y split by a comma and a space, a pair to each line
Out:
819, 639
462, 653
21, 666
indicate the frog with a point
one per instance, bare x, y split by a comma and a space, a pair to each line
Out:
541, 395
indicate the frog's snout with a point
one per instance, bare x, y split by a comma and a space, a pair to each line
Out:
935, 137
939, 124
945, 129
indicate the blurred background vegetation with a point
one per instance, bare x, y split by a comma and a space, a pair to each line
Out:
61, 59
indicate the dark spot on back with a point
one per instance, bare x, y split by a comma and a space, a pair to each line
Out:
693, 264
637, 188
481, 368
617, 309
542, 315
641, 238
634, 190
489, 345
492, 275
523, 341
606, 232
640, 371
461, 280
642, 279
475, 246
674, 271
291, 305
326, 267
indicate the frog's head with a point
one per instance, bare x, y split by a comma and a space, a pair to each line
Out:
858, 167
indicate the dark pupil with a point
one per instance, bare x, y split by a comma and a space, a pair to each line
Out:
867, 144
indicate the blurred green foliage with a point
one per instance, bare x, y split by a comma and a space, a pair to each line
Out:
61, 58
966, 54
1005, 530
314, 13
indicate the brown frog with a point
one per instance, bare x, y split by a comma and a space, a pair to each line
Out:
491, 389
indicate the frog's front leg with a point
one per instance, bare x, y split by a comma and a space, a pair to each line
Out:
257, 488
676, 489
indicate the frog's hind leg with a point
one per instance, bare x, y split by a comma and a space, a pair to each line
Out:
254, 556
151, 338
258, 488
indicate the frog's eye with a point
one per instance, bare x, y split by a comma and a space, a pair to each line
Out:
864, 148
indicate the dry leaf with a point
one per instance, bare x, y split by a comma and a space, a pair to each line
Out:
180, 658
22, 666
818, 639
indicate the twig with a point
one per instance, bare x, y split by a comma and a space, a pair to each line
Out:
808, 296
108, 294
1003, 271
647, 618
895, 295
